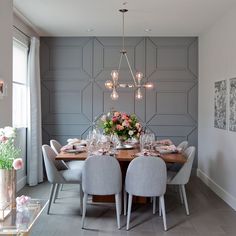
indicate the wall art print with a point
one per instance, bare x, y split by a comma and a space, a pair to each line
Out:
220, 104
232, 105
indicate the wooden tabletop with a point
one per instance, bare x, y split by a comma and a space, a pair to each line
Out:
123, 155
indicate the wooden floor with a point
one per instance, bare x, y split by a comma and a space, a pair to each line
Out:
209, 215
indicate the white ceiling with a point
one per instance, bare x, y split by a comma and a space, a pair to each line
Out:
163, 17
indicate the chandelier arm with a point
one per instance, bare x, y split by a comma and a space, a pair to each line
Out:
130, 70
123, 31
121, 56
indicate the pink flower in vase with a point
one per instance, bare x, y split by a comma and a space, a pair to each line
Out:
114, 119
126, 123
116, 113
120, 127
17, 163
3, 139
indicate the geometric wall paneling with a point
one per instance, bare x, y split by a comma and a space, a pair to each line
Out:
171, 103
121, 104
193, 102
98, 99
192, 58
179, 120
87, 101
171, 131
72, 119
73, 72
87, 57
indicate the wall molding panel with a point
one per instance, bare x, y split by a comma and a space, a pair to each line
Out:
74, 69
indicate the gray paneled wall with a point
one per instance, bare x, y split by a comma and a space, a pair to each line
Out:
73, 72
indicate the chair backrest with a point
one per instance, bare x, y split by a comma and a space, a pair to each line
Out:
49, 159
55, 145
101, 176
183, 145
183, 175
146, 176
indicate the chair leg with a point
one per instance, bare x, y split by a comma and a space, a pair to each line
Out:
154, 205
51, 197
61, 187
117, 198
120, 202
185, 199
129, 211
81, 198
84, 208
56, 192
181, 195
159, 207
125, 203
163, 210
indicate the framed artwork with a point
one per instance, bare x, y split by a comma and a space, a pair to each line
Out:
220, 119
232, 105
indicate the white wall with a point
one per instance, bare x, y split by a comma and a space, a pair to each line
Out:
6, 20
217, 148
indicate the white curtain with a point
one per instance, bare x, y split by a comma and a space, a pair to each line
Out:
34, 134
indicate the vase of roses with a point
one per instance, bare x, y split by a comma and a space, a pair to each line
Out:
9, 163
121, 124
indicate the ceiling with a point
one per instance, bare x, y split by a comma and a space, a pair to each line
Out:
102, 18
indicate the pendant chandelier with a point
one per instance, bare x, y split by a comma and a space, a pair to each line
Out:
137, 78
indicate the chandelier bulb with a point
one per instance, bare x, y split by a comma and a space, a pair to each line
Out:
149, 85
138, 94
114, 74
139, 75
114, 95
109, 84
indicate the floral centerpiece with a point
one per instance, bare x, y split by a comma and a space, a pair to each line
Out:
9, 162
121, 124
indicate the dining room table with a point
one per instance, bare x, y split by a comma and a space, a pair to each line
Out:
124, 157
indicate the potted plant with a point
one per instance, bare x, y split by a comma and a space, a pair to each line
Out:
9, 162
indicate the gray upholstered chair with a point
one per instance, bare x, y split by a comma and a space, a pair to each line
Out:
56, 177
56, 146
146, 176
181, 178
102, 176
183, 145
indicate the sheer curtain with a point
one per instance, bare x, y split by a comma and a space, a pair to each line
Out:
34, 135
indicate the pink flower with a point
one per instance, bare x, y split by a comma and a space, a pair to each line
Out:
126, 123
114, 119
3, 139
116, 113
125, 116
120, 127
17, 163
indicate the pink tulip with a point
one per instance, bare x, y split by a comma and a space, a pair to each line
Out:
17, 163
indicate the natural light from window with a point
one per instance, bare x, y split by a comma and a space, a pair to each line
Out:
20, 56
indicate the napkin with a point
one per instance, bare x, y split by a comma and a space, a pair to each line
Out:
146, 152
166, 142
168, 149
76, 141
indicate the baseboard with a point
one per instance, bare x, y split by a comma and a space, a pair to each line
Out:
20, 184
224, 195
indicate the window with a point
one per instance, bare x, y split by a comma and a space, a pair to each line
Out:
20, 56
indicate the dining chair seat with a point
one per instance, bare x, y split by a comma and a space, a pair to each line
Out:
72, 176
75, 164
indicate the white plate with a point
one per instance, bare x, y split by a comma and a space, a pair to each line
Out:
74, 151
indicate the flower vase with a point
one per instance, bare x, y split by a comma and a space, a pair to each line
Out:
7, 192
122, 145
